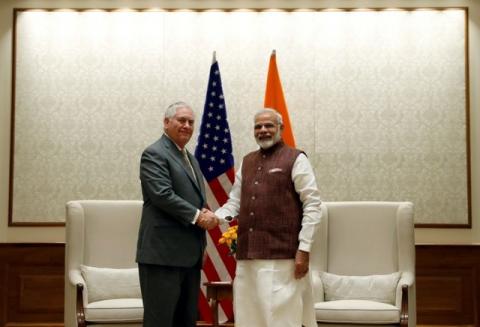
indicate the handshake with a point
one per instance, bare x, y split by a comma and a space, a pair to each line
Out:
207, 219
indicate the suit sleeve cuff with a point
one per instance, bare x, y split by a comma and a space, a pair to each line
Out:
194, 221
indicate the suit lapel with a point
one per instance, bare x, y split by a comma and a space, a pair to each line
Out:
177, 155
198, 172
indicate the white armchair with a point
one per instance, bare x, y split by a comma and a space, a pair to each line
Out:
101, 276
363, 264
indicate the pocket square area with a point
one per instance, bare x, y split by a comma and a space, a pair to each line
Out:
275, 170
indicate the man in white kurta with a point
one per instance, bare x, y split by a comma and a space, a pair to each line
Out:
277, 203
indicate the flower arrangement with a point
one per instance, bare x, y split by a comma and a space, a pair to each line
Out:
230, 239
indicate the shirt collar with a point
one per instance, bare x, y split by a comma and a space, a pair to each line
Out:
179, 148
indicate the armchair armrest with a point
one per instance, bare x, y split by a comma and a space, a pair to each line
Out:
75, 278
80, 312
407, 278
406, 281
404, 307
317, 287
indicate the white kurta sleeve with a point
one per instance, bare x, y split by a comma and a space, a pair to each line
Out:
306, 187
232, 206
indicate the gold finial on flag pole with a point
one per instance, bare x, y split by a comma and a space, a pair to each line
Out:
274, 52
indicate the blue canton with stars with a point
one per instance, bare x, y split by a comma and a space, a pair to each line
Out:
214, 144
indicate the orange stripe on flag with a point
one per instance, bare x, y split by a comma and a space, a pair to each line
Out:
274, 99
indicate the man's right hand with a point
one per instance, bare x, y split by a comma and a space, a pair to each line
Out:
207, 219
302, 259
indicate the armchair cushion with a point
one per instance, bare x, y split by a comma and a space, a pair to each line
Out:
357, 312
110, 283
377, 288
118, 310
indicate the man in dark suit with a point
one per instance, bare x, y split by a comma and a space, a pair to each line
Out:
171, 239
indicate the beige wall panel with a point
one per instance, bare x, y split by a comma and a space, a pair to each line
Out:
52, 234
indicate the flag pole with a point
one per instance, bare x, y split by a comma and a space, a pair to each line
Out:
214, 58
274, 52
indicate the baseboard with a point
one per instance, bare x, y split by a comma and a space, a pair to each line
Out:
44, 324
209, 324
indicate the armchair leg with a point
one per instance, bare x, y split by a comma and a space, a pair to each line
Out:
404, 307
79, 307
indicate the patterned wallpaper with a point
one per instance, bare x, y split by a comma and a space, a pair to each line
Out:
376, 99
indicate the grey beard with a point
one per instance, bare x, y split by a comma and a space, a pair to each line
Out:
268, 143
265, 144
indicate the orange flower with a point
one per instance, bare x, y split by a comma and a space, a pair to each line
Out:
229, 237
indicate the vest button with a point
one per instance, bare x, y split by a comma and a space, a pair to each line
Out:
250, 229
256, 183
253, 197
251, 213
259, 168
264, 156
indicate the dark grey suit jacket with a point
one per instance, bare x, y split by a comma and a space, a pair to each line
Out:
171, 196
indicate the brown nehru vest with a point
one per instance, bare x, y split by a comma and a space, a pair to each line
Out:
270, 209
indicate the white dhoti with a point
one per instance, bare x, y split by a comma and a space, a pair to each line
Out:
266, 294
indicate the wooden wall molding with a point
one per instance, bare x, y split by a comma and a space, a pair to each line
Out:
31, 284
32, 288
448, 284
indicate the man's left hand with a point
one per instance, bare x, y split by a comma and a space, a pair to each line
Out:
302, 259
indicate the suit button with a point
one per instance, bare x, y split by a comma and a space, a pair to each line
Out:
250, 229
251, 213
253, 197
256, 183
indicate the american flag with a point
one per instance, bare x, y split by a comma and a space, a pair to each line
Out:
214, 153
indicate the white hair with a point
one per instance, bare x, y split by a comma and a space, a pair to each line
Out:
277, 115
173, 108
